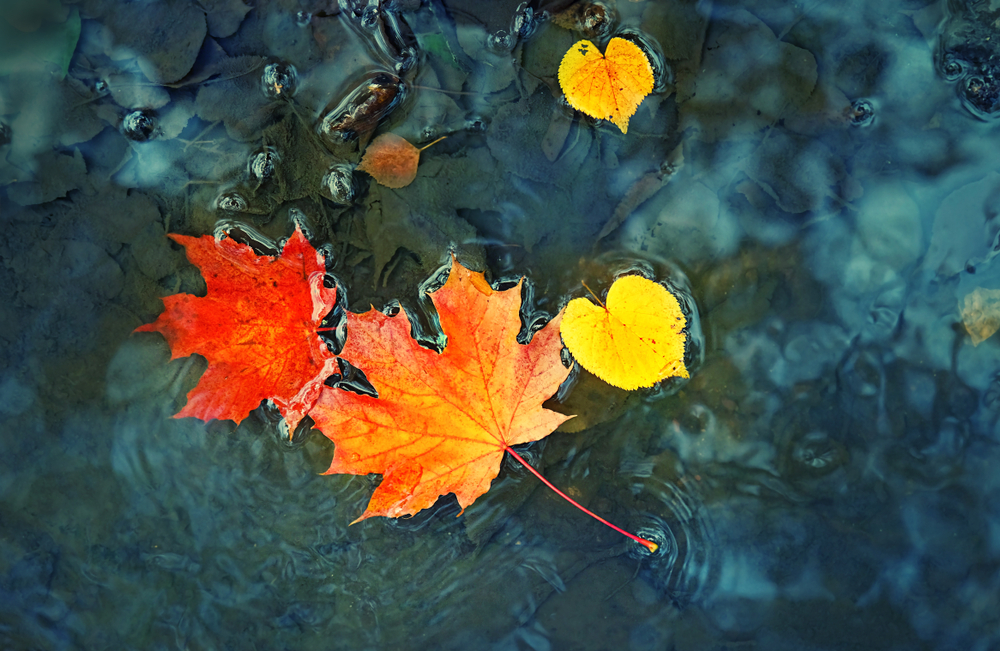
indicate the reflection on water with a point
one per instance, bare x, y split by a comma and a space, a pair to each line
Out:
817, 181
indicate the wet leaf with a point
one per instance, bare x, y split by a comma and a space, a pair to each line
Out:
224, 16
634, 340
980, 311
748, 80
55, 175
234, 96
609, 86
391, 160
164, 37
442, 422
50, 43
419, 218
799, 173
256, 326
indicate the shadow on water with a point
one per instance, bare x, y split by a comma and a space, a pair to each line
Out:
816, 181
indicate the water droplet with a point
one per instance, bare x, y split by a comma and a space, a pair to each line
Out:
861, 113
279, 80
363, 108
338, 184
232, 202
139, 126
303, 18
261, 165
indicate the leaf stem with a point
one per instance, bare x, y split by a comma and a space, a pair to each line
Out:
650, 545
432, 143
591, 292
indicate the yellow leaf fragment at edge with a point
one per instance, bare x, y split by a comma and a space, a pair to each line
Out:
609, 86
980, 311
635, 341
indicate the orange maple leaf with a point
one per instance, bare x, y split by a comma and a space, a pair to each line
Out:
442, 422
256, 326
606, 86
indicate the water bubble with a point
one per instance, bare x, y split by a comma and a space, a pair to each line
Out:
981, 95
139, 126
952, 68
228, 229
819, 453
392, 308
594, 19
523, 23
231, 202
370, 15
407, 60
363, 108
261, 165
338, 184
861, 113
303, 18
279, 80
476, 124
101, 87
500, 41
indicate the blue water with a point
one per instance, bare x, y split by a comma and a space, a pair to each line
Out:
817, 180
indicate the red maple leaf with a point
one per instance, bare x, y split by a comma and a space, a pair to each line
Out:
442, 422
256, 326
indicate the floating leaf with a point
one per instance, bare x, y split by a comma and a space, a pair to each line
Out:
392, 161
634, 340
609, 86
442, 422
256, 326
981, 313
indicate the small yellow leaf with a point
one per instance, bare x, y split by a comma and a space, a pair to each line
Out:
981, 313
609, 86
634, 341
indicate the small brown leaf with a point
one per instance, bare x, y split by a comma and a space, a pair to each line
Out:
391, 160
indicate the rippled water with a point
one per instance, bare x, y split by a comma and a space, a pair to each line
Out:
818, 180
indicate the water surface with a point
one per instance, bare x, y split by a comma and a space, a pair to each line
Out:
818, 180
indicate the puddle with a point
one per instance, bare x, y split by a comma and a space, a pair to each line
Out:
816, 180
